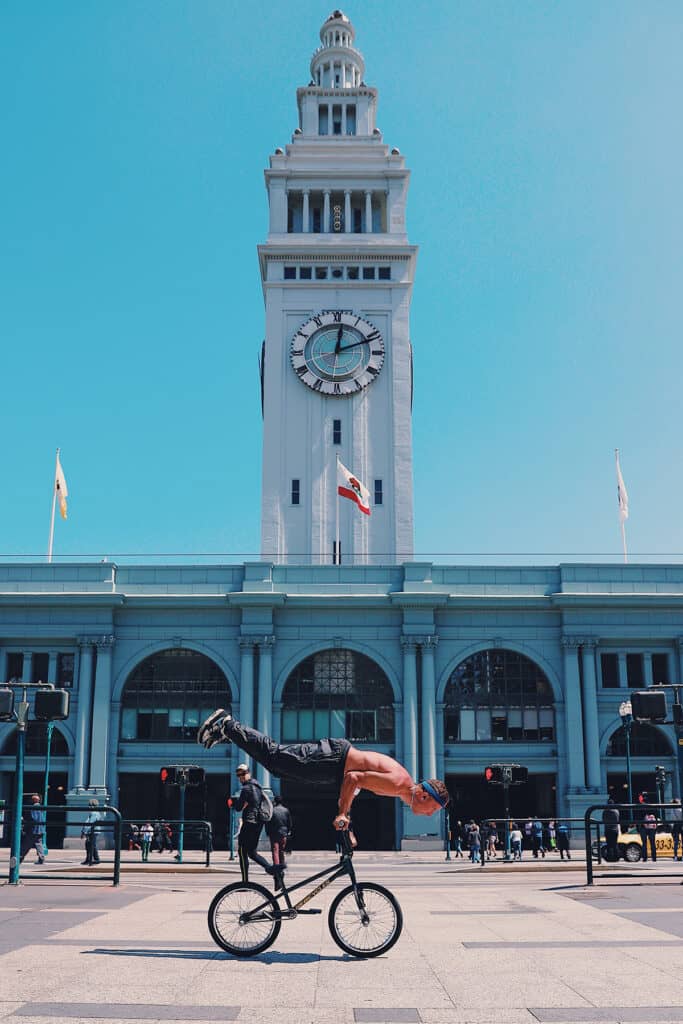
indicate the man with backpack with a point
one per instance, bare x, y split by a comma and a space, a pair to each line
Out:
256, 810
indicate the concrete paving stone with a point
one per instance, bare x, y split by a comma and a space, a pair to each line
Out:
127, 1011
7, 1008
612, 979
608, 1015
431, 1015
301, 1015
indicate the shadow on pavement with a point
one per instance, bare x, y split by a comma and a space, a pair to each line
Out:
200, 954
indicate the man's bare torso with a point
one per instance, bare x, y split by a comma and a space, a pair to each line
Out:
386, 777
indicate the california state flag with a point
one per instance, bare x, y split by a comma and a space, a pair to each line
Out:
60, 488
349, 486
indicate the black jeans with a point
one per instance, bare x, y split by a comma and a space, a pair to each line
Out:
247, 845
648, 836
320, 763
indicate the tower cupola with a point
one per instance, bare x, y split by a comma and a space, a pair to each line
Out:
337, 64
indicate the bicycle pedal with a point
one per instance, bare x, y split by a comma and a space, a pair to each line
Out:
314, 910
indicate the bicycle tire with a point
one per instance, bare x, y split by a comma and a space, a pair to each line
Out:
224, 913
349, 931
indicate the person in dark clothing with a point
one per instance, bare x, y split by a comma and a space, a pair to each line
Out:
648, 834
610, 819
562, 839
249, 802
278, 829
537, 838
676, 816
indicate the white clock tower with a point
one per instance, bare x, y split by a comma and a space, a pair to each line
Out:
336, 368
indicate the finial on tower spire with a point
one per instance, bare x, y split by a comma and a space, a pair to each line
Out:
337, 64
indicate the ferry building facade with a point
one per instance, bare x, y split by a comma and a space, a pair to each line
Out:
338, 630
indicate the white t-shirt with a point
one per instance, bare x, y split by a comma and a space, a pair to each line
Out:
515, 836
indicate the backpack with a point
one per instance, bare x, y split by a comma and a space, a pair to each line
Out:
265, 807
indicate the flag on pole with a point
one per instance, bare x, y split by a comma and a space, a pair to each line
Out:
352, 488
622, 493
60, 488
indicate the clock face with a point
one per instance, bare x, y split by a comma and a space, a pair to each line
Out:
337, 353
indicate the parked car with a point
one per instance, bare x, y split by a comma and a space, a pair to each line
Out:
630, 846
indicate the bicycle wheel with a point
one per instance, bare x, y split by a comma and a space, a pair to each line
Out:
239, 937
366, 924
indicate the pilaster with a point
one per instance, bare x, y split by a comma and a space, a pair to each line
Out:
591, 731
265, 696
572, 696
99, 749
246, 696
428, 646
83, 715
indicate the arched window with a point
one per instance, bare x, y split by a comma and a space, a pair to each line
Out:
36, 742
646, 741
169, 694
338, 693
498, 696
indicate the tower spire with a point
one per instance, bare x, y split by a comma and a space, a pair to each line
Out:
337, 64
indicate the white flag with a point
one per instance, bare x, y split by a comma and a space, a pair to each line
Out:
353, 489
622, 493
61, 489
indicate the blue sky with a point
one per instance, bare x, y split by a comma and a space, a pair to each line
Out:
545, 147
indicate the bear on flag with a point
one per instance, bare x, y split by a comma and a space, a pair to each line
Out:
353, 489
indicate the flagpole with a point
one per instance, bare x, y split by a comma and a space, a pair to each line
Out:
337, 556
621, 512
52, 516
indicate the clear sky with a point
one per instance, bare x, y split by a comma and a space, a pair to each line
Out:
545, 146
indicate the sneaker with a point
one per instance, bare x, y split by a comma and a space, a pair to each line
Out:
210, 732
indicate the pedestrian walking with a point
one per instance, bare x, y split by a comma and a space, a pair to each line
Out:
491, 840
552, 836
610, 819
516, 841
133, 837
458, 838
474, 839
278, 830
537, 838
676, 816
90, 832
648, 835
146, 836
562, 838
249, 803
33, 836
528, 830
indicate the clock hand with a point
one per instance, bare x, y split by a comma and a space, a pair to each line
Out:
354, 345
340, 335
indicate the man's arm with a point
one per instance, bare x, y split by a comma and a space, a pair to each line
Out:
349, 787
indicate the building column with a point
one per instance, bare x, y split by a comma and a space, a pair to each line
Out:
326, 211
277, 721
572, 697
3, 665
368, 211
428, 647
99, 747
246, 695
647, 668
52, 667
591, 732
265, 696
623, 673
347, 210
113, 758
305, 216
409, 705
82, 749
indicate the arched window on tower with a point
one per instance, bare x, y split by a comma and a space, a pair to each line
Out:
169, 694
498, 696
338, 693
646, 741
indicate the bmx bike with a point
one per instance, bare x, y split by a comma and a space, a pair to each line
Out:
365, 919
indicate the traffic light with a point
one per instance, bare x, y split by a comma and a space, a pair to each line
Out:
506, 774
182, 775
6, 704
649, 705
490, 773
660, 775
643, 798
229, 801
51, 705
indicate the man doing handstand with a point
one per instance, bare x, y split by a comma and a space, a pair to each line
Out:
328, 761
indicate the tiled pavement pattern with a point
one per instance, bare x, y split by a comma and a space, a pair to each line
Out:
536, 948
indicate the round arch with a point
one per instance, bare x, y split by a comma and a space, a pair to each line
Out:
548, 670
498, 694
169, 693
132, 663
338, 692
60, 733
324, 645
615, 726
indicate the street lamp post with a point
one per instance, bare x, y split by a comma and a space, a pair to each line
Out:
46, 782
626, 714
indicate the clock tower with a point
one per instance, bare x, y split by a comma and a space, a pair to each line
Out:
336, 363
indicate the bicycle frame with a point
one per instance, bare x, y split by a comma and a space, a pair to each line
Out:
344, 867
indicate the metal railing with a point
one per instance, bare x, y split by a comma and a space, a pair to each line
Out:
75, 818
590, 822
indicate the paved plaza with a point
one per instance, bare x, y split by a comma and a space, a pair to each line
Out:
478, 946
